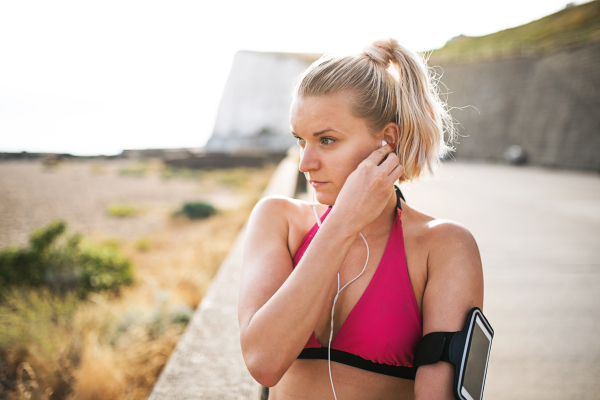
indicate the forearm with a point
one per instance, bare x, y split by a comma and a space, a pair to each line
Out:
279, 330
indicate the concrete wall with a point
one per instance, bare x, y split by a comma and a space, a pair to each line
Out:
549, 105
224, 160
207, 362
254, 111
546, 104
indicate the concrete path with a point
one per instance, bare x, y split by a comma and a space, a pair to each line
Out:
538, 232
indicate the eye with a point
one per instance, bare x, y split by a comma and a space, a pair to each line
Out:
298, 138
328, 140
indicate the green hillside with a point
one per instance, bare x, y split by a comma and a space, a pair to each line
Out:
571, 27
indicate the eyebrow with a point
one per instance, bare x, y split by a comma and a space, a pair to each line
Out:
320, 132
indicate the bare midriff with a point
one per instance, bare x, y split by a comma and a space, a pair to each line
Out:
309, 379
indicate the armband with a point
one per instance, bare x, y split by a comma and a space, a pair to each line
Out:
468, 350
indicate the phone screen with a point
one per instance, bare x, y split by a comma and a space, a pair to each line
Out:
476, 368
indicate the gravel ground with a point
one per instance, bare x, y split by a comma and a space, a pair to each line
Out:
32, 195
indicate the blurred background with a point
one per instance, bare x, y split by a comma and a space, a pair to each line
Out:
136, 137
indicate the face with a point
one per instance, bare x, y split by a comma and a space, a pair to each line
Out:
333, 142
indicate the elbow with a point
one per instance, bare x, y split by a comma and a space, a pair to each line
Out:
264, 370
266, 364
264, 377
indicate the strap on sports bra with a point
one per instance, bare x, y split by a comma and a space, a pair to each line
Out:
398, 197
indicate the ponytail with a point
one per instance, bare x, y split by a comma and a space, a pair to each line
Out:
390, 84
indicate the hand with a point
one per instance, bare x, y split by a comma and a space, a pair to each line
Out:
368, 188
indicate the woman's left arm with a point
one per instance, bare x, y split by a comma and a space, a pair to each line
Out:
454, 286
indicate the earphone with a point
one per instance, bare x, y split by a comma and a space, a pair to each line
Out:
383, 143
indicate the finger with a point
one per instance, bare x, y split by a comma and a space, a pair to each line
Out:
390, 162
379, 155
395, 174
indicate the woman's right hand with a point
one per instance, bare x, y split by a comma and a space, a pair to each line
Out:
368, 188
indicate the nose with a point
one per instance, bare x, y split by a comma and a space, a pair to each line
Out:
308, 159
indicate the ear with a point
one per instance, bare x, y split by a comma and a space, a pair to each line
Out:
390, 133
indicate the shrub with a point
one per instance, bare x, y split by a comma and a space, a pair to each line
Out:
142, 244
104, 268
197, 210
170, 172
181, 313
61, 261
121, 210
137, 171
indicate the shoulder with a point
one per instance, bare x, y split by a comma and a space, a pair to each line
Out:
454, 275
283, 212
444, 233
271, 207
451, 266
441, 239
281, 208
433, 233
451, 245
269, 216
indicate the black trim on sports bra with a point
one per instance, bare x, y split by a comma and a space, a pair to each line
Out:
353, 360
398, 196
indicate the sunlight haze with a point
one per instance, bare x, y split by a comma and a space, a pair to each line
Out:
96, 78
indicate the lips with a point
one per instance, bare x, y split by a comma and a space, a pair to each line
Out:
316, 184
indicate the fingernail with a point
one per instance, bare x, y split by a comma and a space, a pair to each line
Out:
392, 145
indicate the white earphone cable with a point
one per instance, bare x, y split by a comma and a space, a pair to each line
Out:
383, 143
336, 297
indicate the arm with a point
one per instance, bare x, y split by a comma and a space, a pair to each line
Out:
278, 305
454, 286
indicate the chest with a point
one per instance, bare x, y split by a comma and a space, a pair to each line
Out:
383, 250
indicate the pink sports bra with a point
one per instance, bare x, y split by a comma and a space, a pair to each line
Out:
383, 329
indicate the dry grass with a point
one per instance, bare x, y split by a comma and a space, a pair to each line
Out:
571, 27
113, 346
121, 356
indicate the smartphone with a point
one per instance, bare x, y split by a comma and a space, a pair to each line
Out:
477, 354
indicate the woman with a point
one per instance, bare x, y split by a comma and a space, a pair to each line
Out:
410, 272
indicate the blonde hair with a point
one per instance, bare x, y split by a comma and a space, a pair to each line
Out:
388, 83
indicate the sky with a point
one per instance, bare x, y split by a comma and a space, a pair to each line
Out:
97, 77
